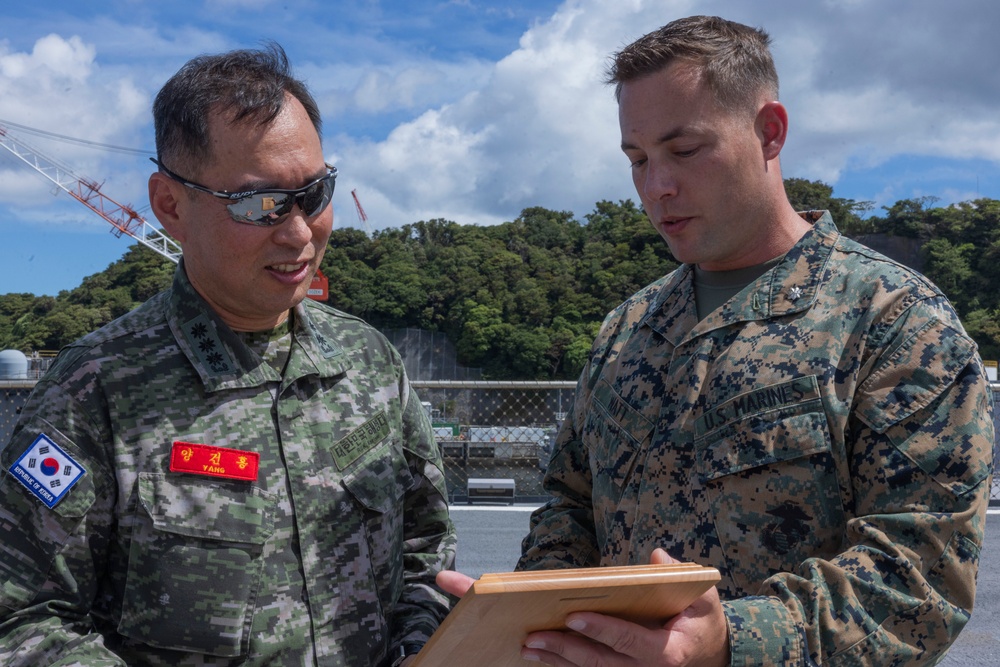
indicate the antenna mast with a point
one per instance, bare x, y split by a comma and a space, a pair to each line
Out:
361, 212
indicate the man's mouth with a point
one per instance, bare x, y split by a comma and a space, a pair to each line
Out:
288, 268
673, 222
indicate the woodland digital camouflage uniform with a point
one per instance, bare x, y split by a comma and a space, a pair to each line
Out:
823, 439
327, 559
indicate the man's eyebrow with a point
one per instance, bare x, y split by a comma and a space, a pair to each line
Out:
668, 136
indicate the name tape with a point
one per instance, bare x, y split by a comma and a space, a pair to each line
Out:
199, 459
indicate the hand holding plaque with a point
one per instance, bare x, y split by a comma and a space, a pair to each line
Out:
489, 624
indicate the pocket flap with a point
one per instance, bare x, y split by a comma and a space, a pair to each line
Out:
761, 427
207, 508
764, 442
915, 374
379, 479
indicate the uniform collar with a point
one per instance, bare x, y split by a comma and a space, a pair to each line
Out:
789, 287
222, 360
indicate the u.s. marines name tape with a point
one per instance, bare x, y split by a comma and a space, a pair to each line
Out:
47, 471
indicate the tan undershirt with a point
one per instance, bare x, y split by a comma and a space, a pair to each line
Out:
714, 288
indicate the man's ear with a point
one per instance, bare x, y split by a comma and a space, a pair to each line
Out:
772, 128
165, 201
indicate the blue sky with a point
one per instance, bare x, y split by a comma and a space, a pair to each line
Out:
472, 111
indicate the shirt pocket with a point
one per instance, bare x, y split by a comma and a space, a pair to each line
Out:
378, 481
767, 465
195, 560
367, 543
928, 398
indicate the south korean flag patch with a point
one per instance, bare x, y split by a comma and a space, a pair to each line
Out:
47, 471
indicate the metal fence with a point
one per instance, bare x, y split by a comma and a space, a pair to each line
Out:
13, 394
495, 437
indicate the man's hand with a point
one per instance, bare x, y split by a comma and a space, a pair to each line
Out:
454, 583
696, 636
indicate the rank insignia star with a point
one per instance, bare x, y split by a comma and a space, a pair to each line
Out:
794, 294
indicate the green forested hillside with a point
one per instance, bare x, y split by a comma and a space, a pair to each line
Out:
523, 300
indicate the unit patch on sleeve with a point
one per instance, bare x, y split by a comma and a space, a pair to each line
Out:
47, 471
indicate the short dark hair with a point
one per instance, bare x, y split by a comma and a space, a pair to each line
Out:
248, 84
734, 59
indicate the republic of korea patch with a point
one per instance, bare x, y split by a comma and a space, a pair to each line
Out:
47, 471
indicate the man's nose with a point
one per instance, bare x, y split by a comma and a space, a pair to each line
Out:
295, 228
660, 180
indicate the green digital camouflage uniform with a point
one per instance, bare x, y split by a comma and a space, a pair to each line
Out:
328, 558
823, 439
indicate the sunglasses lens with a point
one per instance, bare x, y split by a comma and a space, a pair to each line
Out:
262, 208
316, 198
270, 208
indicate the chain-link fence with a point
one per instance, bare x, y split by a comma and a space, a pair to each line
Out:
495, 436
13, 394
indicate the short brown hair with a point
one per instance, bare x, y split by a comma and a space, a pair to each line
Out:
734, 59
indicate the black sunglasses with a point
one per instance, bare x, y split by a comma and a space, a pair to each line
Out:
264, 208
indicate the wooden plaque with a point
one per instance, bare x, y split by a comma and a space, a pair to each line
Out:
489, 624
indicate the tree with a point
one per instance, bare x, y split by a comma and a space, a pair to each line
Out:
984, 327
951, 267
524, 299
908, 217
805, 195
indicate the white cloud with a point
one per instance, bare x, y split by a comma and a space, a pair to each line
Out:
424, 125
542, 131
868, 80
33, 86
58, 88
54, 59
406, 85
542, 128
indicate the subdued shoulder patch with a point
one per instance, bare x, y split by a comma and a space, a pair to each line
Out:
349, 449
47, 471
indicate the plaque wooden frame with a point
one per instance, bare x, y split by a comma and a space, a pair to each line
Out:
489, 624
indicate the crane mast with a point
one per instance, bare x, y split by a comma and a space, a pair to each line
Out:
123, 218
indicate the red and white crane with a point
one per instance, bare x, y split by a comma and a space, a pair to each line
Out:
123, 218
